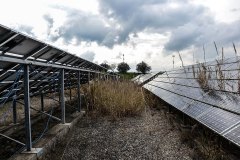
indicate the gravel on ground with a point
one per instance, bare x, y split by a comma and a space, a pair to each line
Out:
150, 136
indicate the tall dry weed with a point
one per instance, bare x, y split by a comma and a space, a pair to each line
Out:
114, 98
203, 78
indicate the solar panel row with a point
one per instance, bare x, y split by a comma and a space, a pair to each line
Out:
29, 67
45, 62
143, 78
212, 100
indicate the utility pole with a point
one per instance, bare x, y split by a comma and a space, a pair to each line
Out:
173, 60
123, 58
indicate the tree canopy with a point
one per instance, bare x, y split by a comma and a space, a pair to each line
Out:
123, 67
143, 67
105, 65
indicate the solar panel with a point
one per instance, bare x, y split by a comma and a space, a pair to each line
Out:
17, 49
143, 78
29, 67
196, 109
234, 135
219, 120
207, 92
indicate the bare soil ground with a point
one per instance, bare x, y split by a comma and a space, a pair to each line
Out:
145, 137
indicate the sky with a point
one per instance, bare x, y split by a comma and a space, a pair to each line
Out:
143, 30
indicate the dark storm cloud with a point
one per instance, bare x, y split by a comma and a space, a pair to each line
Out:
138, 15
197, 35
187, 24
82, 26
132, 16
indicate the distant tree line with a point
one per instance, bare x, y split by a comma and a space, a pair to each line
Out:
123, 67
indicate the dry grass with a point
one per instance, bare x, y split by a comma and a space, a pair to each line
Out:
220, 75
210, 146
114, 98
206, 144
203, 78
6, 114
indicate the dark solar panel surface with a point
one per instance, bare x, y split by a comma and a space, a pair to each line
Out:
142, 78
234, 135
17, 49
214, 103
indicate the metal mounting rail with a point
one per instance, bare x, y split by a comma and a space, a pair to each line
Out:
12, 139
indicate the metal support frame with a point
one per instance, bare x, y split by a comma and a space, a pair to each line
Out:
49, 115
70, 90
14, 140
62, 95
14, 104
78, 91
33, 82
42, 101
9, 39
43, 112
89, 77
40, 63
16, 43
59, 101
27, 109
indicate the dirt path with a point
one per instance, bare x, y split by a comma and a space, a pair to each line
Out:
146, 137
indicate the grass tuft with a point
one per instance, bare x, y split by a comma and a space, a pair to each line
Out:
203, 78
113, 98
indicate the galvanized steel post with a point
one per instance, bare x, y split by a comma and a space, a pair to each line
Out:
27, 108
42, 102
70, 88
62, 95
89, 77
78, 90
14, 109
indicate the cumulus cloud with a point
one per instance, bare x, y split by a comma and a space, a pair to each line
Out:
25, 29
82, 26
119, 56
50, 22
88, 56
197, 35
49, 19
156, 15
186, 24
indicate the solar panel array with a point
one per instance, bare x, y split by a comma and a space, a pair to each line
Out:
207, 92
143, 78
45, 62
29, 67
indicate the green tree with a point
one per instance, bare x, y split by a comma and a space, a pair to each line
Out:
105, 65
143, 67
123, 67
